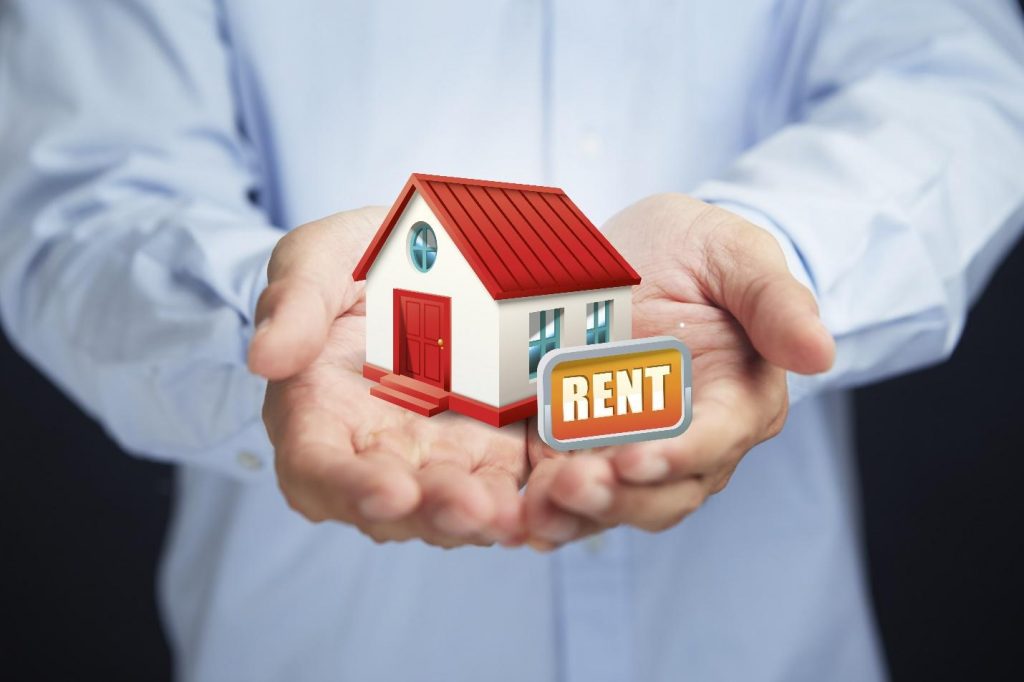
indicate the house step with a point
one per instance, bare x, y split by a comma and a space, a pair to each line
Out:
427, 409
417, 389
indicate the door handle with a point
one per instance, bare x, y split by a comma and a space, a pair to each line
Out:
440, 343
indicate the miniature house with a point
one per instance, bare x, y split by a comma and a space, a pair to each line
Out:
469, 283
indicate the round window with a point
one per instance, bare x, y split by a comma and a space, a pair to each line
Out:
422, 246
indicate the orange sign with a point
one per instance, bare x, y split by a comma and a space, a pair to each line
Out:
614, 393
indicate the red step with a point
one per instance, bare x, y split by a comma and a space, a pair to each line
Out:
417, 389
402, 399
373, 372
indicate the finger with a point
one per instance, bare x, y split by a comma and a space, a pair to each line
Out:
412, 528
319, 472
309, 286
420, 525
584, 485
294, 316
536, 449
507, 525
454, 502
655, 508
718, 483
778, 313
548, 524
587, 486
323, 483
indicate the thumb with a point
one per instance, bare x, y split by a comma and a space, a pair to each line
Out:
778, 313
309, 286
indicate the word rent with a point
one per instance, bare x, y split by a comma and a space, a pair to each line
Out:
607, 394
613, 392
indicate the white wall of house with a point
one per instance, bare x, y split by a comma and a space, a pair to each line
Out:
514, 324
473, 348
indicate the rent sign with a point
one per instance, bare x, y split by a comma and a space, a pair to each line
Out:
614, 393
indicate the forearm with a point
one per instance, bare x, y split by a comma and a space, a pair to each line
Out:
899, 189
144, 324
130, 257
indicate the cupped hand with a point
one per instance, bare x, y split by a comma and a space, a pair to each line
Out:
344, 455
721, 285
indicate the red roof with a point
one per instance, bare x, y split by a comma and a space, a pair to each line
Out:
520, 240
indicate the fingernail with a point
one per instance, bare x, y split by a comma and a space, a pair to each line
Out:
560, 528
650, 468
594, 497
540, 545
515, 540
451, 521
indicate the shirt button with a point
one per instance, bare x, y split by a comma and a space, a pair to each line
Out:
594, 543
591, 146
249, 460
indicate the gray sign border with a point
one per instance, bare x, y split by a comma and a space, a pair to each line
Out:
550, 359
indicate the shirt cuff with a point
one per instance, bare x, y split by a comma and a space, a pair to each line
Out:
250, 455
247, 456
259, 283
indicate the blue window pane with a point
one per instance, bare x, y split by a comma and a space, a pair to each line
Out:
422, 247
599, 321
545, 335
534, 358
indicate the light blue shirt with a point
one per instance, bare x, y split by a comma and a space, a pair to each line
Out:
151, 153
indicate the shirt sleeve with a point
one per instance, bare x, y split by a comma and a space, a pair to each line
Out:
131, 255
898, 188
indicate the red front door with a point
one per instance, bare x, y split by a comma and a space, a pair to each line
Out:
423, 337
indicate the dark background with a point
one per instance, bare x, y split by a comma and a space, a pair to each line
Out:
941, 464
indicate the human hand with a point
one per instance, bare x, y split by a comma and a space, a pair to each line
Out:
344, 455
721, 285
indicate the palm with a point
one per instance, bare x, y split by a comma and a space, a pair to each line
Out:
728, 375
727, 372
720, 285
446, 446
